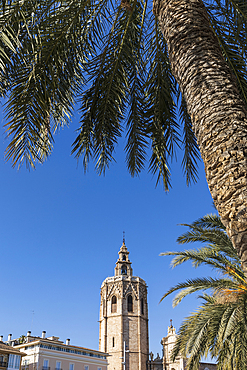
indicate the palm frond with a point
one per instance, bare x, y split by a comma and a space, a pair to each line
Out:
211, 221
194, 285
137, 138
191, 151
162, 126
47, 75
229, 20
104, 103
219, 326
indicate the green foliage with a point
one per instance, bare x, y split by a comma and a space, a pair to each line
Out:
229, 22
112, 58
219, 326
22, 339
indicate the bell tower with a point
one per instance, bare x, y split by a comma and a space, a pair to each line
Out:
123, 331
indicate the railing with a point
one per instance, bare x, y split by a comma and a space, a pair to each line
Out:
58, 368
45, 368
3, 364
25, 367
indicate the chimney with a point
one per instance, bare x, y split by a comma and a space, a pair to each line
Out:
43, 334
1, 338
67, 342
9, 337
28, 333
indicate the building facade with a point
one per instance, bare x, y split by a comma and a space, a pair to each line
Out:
53, 354
123, 331
10, 358
165, 362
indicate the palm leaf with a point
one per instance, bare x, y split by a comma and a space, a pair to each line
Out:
162, 126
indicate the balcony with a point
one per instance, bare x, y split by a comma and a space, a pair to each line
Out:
46, 368
3, 364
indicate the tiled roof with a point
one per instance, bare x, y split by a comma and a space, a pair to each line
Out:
5, 348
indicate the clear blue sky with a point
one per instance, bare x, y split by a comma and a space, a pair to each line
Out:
61, 231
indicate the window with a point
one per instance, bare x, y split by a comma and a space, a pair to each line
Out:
17, 362
71, 366
124, 270
113, 342
114, 304
25, 362
58, 365
99, 368
86, 367
130, 303
46, 364
11, 361
142, 306
124, 257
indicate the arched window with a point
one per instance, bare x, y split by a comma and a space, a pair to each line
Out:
124, 257
142, 306
130, 303
124, 270
114, 304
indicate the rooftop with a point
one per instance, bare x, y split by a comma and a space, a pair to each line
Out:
6, 348
53, 343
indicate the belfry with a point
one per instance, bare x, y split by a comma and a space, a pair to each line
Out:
123, 331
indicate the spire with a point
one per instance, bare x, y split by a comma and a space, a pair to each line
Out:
123, 264
171, 329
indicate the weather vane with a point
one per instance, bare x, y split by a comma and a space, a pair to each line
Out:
124, 237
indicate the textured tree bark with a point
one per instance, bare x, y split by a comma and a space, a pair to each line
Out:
218, 114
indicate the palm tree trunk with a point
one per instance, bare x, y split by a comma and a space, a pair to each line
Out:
218, 114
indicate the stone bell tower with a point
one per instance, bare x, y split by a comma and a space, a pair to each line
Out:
123, 331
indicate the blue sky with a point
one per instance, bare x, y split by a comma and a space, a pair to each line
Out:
61, 231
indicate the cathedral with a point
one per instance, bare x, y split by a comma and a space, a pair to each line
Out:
123, 324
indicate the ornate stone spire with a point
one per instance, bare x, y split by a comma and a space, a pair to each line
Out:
123, 265
171, 329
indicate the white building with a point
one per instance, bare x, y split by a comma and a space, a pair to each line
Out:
53, 354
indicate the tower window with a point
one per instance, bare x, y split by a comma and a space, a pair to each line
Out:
114, 304
124, 270
142, 306
124, 257
113, 342
130, 303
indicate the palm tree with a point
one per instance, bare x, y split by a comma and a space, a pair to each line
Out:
112, 57
218, 116
219, 326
